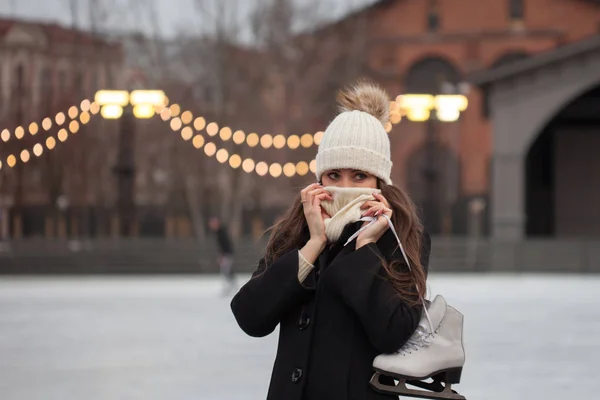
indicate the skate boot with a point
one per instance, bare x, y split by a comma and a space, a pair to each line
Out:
435, 350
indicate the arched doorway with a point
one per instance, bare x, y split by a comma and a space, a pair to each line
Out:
433, 170
562, 172
433, 183
530, 101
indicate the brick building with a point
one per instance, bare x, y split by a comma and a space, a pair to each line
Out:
432, 46
45, 69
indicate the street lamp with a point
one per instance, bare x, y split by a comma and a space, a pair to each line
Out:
115, 105
430, 108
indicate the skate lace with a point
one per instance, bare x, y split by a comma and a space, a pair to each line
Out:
417, 341
371, 221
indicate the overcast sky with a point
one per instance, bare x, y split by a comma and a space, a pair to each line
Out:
172, 16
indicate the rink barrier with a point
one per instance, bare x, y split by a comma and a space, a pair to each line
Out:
157, 256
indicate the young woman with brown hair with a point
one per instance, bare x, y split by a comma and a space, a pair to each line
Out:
338, 287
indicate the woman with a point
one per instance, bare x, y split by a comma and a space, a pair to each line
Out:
340, 299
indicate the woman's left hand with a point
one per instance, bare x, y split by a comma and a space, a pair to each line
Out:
375, 208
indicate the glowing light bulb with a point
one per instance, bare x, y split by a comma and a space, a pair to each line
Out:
33, 128
60, 118
187, 133
262, 168
222, 156
199, 123
74, 126
279, 141
210, 149
176, 124
302, 168
235, 161
11, 161
239, 137
85, 105
275, 170
84, 117
165, 114
38, 149
266, 141
47, 124
94, 108
212, 129
293, 142
25, 156
175, 109
289, 170
225, 133
187, 117
63, 135
252, 140
306, 140
50, 143
318, 137
73, 112
248, 165
198, 141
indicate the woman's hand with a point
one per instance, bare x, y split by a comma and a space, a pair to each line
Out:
311, 198
375, 208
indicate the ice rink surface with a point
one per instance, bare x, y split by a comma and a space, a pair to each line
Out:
173, 338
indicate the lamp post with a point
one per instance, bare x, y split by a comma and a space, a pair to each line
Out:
114, 105
418, 108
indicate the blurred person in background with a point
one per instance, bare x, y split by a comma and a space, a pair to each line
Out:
225, 257
332, 275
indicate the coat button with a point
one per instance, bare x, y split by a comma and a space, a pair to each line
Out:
303, 322
296, 375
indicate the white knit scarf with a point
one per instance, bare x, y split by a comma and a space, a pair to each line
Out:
345, 208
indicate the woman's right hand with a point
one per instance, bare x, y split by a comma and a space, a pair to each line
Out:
311, 197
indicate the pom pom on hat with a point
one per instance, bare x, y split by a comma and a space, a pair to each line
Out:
367, 97
356, 138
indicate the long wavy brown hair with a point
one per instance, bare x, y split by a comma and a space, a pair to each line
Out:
287, 234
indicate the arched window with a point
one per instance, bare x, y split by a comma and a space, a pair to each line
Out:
431, 75
433, 17
516, 10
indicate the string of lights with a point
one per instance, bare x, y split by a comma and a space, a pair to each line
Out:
178, 120
185, 122
78, 116
186, 125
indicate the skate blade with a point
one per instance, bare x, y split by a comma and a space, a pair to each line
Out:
434, 390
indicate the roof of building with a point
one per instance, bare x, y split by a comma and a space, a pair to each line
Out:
535, 61
55, 33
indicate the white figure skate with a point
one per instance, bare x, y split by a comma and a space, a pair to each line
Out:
435, 350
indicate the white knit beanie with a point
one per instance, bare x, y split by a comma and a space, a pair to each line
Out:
356, 138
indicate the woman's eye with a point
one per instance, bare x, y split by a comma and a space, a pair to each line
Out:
360, 176
333, 175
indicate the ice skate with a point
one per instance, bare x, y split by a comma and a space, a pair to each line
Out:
435, 350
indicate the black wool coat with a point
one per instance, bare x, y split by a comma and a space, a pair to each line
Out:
334, 324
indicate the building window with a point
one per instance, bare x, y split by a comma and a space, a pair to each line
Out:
19, 79
433, 17
516, 10
2, 97
79, 83
46, 88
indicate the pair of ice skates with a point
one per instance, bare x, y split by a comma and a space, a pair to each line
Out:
434, 351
